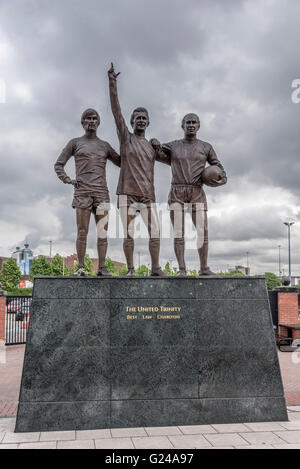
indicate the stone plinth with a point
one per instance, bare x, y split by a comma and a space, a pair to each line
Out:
131, 352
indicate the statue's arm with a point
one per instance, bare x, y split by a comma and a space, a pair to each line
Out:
162, 152
113, 156
62, 160
214, 160
115, 105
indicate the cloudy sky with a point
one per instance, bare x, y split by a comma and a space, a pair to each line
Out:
232, 62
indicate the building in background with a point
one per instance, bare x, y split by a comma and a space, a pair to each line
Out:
295, 280
71, 260
23, 258
241, 268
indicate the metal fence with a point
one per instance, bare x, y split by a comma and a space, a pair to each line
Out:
17, 319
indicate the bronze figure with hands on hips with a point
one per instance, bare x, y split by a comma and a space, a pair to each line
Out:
90, 186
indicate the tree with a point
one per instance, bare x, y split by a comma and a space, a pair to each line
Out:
122, 271
193, 273
232, 273
272, 280
58, 267
167, 270
109, 264
10, 275
88, 265
142, 271
40, 266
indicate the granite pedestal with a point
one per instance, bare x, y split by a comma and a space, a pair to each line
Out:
135, 352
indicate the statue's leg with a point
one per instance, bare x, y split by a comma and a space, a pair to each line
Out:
102, 227
177, 220
128, 219
150, 218
83, 219
199, 219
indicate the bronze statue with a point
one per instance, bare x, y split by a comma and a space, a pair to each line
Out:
91, 193
135, 188
187, 158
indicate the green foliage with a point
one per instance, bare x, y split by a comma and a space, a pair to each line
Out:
272, 280
40, 266
10, 275
58, 267
193, 273
232, 273
167, 270
88, 265
109, 264
122, 271
20, 292
142, 271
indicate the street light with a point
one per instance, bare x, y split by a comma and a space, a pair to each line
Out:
247, 253
279, 260
289, 224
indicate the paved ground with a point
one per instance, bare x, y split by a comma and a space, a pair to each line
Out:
246, 435
271, 435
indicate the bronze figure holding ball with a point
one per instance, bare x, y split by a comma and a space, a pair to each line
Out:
187, 158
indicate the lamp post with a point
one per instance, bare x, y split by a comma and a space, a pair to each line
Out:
279, 260
50, 242
289, 224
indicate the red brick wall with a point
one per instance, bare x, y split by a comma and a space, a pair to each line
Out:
288, 312
2, 317
69, 262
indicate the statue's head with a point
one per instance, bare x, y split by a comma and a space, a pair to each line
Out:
190, 124
90, 120
139, 119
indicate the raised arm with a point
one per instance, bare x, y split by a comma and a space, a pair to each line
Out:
62, 161
115, 105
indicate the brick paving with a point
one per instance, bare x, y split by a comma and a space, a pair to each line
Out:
260, 435
10, 378
239, 436
290, 371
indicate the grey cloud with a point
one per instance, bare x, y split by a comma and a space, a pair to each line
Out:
231, 62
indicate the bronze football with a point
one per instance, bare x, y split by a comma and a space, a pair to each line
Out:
213, 176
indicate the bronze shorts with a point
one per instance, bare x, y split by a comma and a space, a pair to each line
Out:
183, 194
138, 202
91, 202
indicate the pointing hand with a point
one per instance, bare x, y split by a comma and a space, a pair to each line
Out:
111, 72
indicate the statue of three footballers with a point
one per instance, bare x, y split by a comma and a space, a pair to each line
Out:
187, 158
